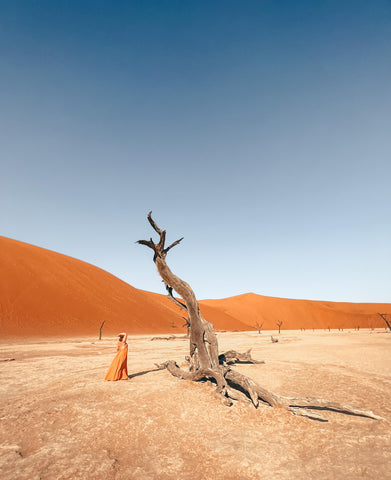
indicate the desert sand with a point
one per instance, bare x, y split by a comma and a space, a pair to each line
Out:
61, 420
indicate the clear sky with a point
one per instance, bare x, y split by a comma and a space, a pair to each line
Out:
258, 130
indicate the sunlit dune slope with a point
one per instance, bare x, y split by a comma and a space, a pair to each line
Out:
45, 293
220, 319
298, 314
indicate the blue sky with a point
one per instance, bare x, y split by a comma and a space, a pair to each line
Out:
259, 131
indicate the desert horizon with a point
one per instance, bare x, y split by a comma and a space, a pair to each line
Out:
45, 291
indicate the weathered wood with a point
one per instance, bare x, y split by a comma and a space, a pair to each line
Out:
232, 357
100, 329
205, 363
383, 316
170, 337
203, 340
321, 404
258, 326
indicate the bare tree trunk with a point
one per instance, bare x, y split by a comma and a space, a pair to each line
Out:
383, 316
205, 361
100, 330
259, 326
204, 353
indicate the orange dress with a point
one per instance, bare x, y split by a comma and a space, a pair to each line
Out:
119, 366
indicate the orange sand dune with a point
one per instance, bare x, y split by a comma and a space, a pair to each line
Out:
298, 314
220, 319
44, 293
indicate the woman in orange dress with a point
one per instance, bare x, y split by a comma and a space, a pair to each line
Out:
119, 366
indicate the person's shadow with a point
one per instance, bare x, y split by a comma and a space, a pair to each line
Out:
143, 372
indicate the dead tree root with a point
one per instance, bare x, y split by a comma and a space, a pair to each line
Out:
232, 385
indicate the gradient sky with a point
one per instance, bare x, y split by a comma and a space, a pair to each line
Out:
258, 130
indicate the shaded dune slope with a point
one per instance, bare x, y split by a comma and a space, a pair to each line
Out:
44, 293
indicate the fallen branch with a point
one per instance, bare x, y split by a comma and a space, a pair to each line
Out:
171, 337
251, 391
232, 357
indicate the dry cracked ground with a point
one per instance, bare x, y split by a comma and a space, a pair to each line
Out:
61, 420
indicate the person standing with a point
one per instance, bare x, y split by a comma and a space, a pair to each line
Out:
119, 366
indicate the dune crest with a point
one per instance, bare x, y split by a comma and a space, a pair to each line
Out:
300, 314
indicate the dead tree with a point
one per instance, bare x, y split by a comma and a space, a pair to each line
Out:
279, 323
383, 316
100, 330
258, 326
204, 361
187, 325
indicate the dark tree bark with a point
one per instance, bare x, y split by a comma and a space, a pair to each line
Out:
204, 359
259, 326
383, 316
100, 330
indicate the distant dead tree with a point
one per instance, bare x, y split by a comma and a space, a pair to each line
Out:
100, 330
258, 326
279, 323
273, 339
205, 362
383, 316
187, 325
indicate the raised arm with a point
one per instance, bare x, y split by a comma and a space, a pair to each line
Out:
123, 336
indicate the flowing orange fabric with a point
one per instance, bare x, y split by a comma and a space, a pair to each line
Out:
119, 366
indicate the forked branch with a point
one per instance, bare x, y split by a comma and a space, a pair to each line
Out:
158, 248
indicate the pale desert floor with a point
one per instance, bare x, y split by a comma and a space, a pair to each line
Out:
61, 420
